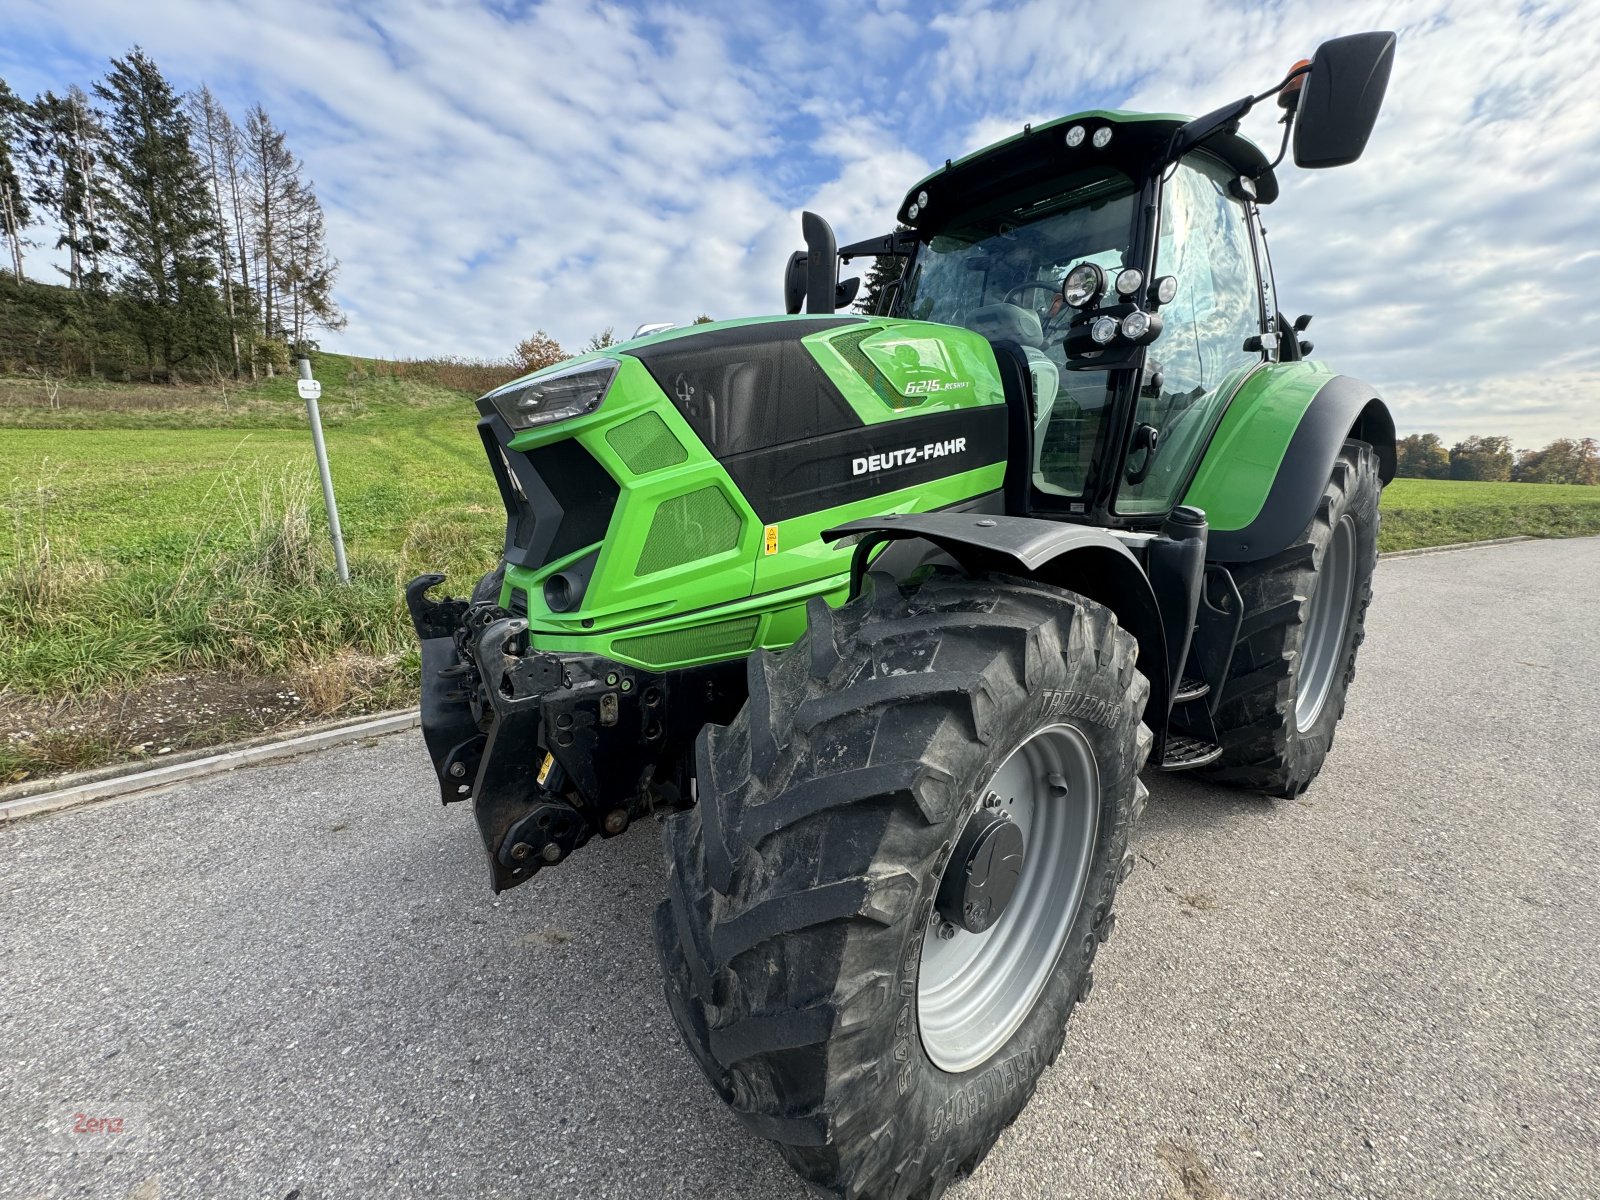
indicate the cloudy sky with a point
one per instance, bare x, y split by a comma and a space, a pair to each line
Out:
493, 168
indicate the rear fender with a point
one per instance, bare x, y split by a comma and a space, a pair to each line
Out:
1078, 558
1266, 468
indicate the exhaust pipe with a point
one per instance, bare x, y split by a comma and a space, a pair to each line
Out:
822, 256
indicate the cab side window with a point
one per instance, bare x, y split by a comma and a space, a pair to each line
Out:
1205, 243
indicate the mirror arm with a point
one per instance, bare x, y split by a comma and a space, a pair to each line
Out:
1188, 136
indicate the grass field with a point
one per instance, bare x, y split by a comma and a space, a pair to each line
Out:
153, 534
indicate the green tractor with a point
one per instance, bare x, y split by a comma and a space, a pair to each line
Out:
886, 613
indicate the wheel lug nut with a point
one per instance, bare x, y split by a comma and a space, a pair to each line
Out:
946, 931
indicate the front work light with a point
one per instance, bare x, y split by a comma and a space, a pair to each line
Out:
1083, 285
1140, 327
1104, 330
574, 392
1129, 280
1075, 137
1102, 137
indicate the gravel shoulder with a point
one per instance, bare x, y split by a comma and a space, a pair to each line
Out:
294, 978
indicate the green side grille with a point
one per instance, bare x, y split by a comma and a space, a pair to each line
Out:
719, 639
849, 347
645, 444
687, 528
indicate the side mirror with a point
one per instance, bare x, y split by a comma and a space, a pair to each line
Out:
794, 283
1341, 98
844, 292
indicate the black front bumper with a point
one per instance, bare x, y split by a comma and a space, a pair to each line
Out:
552, 748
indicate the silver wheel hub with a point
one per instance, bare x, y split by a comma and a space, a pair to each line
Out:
1326, 618
975, 989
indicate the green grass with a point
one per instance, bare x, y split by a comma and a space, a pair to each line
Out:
137, 540
149, 531
1431, 512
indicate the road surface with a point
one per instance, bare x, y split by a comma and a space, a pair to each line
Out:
293, 981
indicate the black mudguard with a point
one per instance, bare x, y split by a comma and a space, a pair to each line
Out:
1079, 558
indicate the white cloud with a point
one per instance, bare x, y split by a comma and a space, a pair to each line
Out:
583, 164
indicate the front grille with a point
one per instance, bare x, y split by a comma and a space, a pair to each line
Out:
717, 640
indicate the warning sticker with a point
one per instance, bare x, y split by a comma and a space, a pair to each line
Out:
772, 539
544, 768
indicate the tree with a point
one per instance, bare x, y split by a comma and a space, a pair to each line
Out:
1565, 460
14, 213
307, 269
216, 137
64, 137
606, 337
537, 352
886, 270
159, 213
1481, 458
703, 319
272, 171
1422, 456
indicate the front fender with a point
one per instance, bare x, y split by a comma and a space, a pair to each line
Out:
1078, 558
1265, 470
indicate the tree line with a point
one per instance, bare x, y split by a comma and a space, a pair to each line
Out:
191, 243
1493, 459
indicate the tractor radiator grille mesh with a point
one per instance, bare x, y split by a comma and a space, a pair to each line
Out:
645, 444
718, 639
849, 347
687, 528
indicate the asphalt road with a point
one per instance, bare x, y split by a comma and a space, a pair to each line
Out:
293, 979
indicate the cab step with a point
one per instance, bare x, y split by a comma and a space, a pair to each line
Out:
1186, 753
1190, 688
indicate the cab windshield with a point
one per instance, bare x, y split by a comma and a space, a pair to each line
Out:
1000, 275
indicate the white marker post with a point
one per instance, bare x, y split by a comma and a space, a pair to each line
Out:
311, 391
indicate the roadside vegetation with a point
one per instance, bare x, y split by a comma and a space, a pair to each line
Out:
166, 580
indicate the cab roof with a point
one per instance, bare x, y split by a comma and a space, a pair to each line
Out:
1025, 160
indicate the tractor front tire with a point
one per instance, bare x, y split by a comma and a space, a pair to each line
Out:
1305, 614
807, 945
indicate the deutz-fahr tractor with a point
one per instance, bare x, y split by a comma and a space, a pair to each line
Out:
885, 613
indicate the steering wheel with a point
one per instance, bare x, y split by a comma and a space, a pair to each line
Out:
1036, 286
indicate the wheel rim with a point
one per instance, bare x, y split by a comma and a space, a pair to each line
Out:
975, 989
1325, 624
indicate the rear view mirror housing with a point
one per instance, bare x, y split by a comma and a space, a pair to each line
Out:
1341, 98
794, 283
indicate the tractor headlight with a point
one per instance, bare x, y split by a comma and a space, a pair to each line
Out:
1104, 330
1102, 137
1083, 285
1166, 289
1128, 282
1075, 136
1141, 327
575, 392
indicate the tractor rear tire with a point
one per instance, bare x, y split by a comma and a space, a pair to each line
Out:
802, 950
1305, 614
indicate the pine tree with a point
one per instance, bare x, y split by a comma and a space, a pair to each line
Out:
159, 214
216, 141
606, 337
885, 270
64, 140
272, 171
14, 212
308, 270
